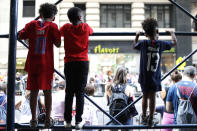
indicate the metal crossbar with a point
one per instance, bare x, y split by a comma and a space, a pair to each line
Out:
173, 126
127, 34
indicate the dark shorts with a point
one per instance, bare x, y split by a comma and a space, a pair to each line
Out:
149, 88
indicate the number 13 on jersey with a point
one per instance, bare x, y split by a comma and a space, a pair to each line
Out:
152, 61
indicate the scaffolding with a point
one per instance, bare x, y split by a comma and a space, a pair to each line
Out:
12, 70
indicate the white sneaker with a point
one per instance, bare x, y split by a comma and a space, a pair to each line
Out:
67, 125
79, 126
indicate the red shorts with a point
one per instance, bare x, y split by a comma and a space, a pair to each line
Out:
41, 81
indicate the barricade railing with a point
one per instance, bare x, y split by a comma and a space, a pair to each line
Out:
180, 33
172, 126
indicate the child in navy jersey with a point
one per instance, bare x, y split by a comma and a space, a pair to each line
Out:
150, 70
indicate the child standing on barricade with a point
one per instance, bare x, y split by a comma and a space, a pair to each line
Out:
41, 35
150, 70
76, 67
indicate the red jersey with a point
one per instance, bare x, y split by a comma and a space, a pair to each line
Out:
76, 41
41, 37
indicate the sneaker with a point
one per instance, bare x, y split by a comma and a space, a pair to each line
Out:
33, 123
79, 125
48, 123
67, 124
143, 120
152, 122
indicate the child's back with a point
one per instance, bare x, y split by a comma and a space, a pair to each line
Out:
76, 41
76, 64
42, 36
150, 70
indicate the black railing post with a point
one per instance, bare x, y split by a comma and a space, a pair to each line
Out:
12, 65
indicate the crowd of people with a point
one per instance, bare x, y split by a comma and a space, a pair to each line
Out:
57, 101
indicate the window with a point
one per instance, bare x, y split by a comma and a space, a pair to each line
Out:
162, 13
115, 16
28, 8
83, 8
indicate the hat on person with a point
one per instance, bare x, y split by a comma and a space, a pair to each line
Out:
190, 70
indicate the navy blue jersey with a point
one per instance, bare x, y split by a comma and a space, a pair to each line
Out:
150, 70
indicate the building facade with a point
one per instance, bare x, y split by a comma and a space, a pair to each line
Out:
108, 52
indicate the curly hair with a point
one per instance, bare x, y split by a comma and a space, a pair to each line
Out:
74, 13
47, 10
149, 25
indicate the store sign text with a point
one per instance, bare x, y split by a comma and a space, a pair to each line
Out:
99, 49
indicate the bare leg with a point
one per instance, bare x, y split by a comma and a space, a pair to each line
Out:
48, 102
152, 104
144, 103
33, 103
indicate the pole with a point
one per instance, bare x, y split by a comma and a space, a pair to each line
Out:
12, 65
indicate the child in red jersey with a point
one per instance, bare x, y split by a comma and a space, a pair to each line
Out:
41, 35
76, 64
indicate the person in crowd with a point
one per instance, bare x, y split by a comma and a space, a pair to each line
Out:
41, 35
92, 80
57, 112
3, 94
3, 104
23, 111
22, 108
76, 67
120, 80
185, 87
168, 117
90, 111
150, 70
18, 84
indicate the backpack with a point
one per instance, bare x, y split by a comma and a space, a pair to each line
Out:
3, 113
117, 102
185, 113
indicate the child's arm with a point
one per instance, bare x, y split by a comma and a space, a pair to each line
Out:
136, 38
174, 40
